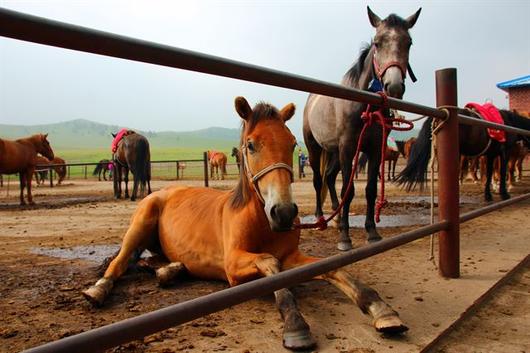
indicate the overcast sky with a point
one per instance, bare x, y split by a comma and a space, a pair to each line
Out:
487, 41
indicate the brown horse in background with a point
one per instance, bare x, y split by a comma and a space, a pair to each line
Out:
404, 147
132, 154
41, 174
217, 161
19, 157
242, 234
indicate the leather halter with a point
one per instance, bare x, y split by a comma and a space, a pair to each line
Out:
255, 177
380, 71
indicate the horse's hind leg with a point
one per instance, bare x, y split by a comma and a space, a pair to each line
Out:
332, 171
315, 152
489, 174
166, 274
139, 236
126, 179
22, 179
502, 176
135, 188
385, 319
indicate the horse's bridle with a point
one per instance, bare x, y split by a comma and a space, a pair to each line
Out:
380, 71
255, 177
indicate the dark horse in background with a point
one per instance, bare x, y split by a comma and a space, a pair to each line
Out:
103, 166
474, 141
391, 156
235, 154
332, 126
132, 154
19, 156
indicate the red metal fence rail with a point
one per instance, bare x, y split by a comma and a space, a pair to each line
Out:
44, 31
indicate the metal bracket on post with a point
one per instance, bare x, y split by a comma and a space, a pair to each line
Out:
448, 183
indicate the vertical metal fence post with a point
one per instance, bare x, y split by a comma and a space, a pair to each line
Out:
51, 177
68, 172
86, 172
177, 172
448, 164
205, 162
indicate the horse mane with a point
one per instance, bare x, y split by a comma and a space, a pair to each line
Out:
354, 73
241, 194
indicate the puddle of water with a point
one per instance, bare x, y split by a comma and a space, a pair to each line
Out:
357, 221
464, 199
93, 253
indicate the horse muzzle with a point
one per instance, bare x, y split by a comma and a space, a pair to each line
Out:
393, 83
281, 216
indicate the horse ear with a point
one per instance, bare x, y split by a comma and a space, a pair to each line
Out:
45, 135
243, 108
288, 111
374, 19
413, 18
113, 135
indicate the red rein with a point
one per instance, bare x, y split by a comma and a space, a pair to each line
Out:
387, 123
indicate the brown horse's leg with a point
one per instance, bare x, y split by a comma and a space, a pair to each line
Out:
29, 173
385, 319
243, 266
140, 233
22, 179
167, 273
126, 179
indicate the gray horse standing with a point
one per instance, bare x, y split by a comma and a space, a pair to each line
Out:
332, 126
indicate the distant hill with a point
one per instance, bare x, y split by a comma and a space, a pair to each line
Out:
83, 133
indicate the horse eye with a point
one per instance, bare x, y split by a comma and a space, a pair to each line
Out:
376, 44
250, 147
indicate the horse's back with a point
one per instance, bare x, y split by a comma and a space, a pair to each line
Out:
320, 120
190, 228
15, 157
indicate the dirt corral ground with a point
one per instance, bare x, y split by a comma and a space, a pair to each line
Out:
51, 251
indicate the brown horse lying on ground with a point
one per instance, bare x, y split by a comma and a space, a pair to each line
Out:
217, 161
239, 235
19, 157
41, 174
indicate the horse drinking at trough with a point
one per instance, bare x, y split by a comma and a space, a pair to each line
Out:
131, 153
332, 126
19, 157
242, 234
474, 141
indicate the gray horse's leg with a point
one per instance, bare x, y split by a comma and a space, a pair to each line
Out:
315, 152
371, 194
332, 171
346, 158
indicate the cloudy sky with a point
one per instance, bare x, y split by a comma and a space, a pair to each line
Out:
487, 41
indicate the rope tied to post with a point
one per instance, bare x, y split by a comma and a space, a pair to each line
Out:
370, 116
436, 126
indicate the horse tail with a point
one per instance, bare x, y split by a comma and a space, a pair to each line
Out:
420, 155
323, 166
142, 162
223, 166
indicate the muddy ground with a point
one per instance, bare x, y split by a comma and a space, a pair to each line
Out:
42, 276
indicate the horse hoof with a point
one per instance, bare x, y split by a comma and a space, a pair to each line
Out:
95, 295
505, 196
344, 245
373, 237
298, 340
391, 325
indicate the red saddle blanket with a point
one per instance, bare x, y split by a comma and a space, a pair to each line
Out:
118, 138
490, 113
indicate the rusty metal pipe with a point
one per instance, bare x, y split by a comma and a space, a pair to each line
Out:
467, 120
448, 182
493, 207
108, 336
